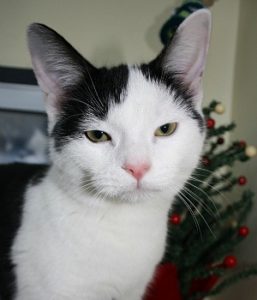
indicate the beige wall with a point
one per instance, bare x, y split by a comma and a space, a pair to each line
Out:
244, 107
105, 31
112, 31
221, 62
244, 111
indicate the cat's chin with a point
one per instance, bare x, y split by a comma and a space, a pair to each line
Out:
147, 192
133, 194
146, 196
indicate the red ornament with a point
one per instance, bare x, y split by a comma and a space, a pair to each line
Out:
206, 161
243, 231
220, 140
210, 123
242, 144
242, 180
230, 261
175, 219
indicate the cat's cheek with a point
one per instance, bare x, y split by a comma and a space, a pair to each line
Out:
178, 155
82, 155
91, 155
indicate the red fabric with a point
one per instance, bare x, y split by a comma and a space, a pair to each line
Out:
165, 284
203, 285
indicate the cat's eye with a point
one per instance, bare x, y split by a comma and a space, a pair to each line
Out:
166, 129
97, 136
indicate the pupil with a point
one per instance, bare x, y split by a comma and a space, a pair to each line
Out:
165, 128
98, 134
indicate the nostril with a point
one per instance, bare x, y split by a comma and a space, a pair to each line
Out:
130, 170
137, 171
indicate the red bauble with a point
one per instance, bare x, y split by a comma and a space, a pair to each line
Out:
210, 123
242, 180
243, 231
206, 161
175, 219
220, 140
230, 261
242, 144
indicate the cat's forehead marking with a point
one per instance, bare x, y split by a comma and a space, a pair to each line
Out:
90, 99
145, 102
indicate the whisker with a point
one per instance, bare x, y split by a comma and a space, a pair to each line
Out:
204, 169
201, 201
202, 191
213, 188
192, 214
96, 93
87, 104
72, 116
202, 217
211, 173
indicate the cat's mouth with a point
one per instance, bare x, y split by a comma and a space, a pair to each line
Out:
139, 190
134, 190
141, 187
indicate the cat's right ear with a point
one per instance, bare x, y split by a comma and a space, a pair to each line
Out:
57, 65
185, 57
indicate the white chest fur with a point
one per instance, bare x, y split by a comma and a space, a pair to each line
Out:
66, 250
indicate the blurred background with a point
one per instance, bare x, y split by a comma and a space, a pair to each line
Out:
113, 31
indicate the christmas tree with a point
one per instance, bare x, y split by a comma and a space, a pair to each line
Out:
204, 228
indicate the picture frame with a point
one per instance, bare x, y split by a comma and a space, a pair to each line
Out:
23, 121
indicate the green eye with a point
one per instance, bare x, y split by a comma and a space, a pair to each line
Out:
97, 136
166, 129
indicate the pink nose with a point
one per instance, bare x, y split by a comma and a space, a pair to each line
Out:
137, 171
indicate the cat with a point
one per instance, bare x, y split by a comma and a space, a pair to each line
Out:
123, 141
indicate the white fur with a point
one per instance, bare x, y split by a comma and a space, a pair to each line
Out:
76, 245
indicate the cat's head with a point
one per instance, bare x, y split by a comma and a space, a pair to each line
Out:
126, 132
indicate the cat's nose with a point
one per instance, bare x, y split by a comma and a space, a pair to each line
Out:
138, 170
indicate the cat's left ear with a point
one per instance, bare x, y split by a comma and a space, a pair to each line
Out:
185, 57
58, 67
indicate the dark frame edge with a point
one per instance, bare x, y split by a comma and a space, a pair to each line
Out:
17, 75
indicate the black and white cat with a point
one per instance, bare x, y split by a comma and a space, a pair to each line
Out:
123, 142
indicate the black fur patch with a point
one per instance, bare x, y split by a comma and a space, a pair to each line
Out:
183, 95
14, 179
91, 97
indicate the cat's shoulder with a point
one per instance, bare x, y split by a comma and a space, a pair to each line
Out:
14, 177
14, 180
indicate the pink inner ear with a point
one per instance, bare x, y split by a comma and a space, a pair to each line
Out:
187, 54
47, 84
194, 72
